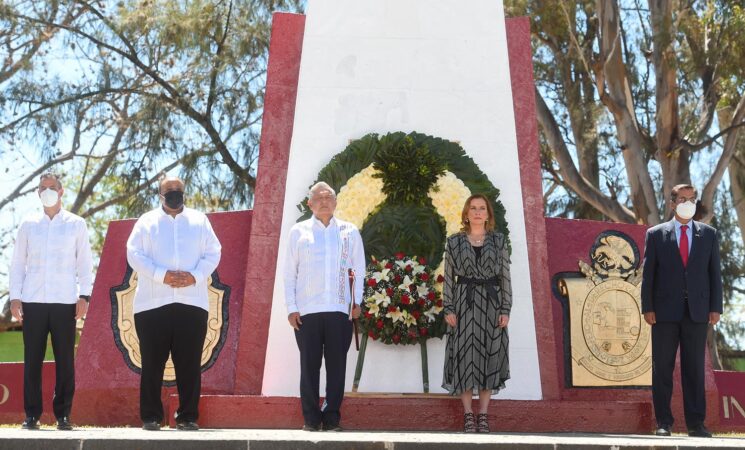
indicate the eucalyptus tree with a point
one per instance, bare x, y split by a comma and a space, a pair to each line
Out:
634, 97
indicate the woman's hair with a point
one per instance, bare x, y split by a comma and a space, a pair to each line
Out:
465, 226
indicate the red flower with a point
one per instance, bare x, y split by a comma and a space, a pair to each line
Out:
397, 278
391, 308
396, 338
422, 261
368, 314
389, 265
372, 334
423, 331
439, 303
400, 255
371, 282
389, 292
379, 325
408, 268
405, 299
424, 276
440, 278
412, 287
412, 334
416, 314
420, 302
431, 296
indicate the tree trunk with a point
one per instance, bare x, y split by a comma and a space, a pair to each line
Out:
673, 157
615, 92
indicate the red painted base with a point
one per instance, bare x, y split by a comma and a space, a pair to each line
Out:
430, 414
11, 392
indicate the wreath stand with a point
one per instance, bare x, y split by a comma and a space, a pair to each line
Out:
361, 363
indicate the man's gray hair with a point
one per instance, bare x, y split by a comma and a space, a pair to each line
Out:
53, 176
321, 186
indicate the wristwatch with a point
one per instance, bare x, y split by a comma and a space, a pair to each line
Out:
87, 298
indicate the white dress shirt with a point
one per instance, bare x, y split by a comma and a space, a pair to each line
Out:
52, 261
159, 243
316, 267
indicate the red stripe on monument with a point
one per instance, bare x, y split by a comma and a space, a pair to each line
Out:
274, 149
526, 129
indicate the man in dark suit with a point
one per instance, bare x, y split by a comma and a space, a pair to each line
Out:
681, 296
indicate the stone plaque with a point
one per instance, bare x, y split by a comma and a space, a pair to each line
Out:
610, 343
125, 334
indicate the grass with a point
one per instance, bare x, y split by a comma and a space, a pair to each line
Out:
11, 347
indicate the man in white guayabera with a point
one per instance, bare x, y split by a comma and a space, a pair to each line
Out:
51, 277
320, 252
174, 251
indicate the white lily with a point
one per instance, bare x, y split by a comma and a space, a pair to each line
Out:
381, 276
418, 268
431, 313
396, 315
373, 308
402, 263
381, 298
422, 290
406, 283
409, 320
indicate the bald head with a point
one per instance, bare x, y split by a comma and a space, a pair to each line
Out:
168, 184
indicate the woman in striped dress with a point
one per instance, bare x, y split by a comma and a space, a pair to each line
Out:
477, 298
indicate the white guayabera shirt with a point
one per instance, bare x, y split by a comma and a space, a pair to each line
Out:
160, 243
317, 264
51, 260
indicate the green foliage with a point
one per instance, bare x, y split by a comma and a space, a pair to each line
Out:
407, 221
408, 170
11, 347
112, 93
411, 229
732, 254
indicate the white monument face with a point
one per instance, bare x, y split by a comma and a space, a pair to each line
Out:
436, 67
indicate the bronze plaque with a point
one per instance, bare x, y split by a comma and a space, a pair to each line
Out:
125, 334
610, 344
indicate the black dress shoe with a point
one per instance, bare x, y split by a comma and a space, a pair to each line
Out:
308, 427
64, 424
151, 426
663, 430
334, 427
187, 426
699, 431
31, 423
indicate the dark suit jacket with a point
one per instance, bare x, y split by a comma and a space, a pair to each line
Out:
665, 280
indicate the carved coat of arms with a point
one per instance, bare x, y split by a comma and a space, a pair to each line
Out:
125, 335
609, 342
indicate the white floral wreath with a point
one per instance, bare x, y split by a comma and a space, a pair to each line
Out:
363, 193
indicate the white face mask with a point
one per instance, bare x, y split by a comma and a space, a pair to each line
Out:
48, 197
685, 210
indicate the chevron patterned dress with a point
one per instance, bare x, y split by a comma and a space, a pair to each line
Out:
477, 290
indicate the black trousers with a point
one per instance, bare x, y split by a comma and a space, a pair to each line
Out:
177, 329
39, 321
691, 338
324, 335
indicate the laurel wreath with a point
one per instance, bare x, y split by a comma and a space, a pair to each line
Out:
405, 192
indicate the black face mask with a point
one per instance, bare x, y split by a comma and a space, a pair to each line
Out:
174, 199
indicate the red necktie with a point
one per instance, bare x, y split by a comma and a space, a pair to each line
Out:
684, 244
